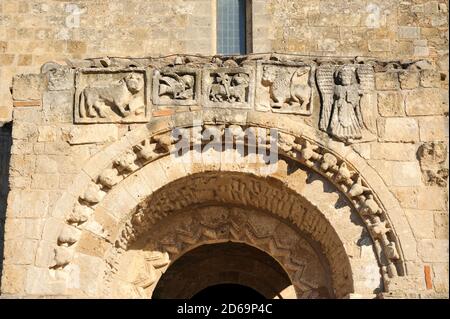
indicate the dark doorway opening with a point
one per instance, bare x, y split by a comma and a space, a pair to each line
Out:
227, 292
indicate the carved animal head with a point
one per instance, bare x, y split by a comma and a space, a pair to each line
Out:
269, 74
134, 82
188, 81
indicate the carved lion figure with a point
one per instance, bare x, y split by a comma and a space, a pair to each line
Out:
283, 90
94, 99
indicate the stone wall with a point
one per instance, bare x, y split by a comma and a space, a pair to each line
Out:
37, 31
399, 142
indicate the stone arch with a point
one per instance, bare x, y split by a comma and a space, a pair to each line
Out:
115, 168
304, 218
220, 263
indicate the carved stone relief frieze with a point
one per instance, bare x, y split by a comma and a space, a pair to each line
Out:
178, 85
228, 87
285, 87
111, 95
348, 101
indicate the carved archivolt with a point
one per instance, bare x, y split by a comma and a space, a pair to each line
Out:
302, 150
187, 229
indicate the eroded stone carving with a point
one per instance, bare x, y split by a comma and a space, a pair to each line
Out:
109, 178
126, 162
93, 194
110, 96
228, 87
63, 256
348, 106
150, 271
79, 215
68, 236
289, 88
176, 86
432, 157
215, 224
297, 148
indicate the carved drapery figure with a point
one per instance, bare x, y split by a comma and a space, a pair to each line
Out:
346, 101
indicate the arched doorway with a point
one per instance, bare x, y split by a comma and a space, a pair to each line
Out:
227, 292
226, 270
349, 231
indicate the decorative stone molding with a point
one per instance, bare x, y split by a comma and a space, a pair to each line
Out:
188, 229
300, 149
119, 90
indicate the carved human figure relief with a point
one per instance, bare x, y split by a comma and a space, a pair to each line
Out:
111, 96
228, 87
348, 109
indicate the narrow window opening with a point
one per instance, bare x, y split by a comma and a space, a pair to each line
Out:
233, 26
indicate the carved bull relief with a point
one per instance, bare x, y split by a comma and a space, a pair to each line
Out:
285, 87
111, 96
348, 101
176, 86
228, 87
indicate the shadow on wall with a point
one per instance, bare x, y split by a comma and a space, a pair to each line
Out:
5, 154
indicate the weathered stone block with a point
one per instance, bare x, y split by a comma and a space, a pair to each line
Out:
57, 107
13, 279
433, 250
49, 133
406, 174
398, 129
45, 181
379, 45
29, 86
422, 223
430, 78
433, 128
424, 102
440, 278
394, 151
20, 251
390, 104
407, 32
60, 79
387, 81
432, 198
441, 225
409, 80
407, 196
97, 133
28, 204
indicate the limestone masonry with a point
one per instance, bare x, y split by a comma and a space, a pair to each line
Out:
353, 95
